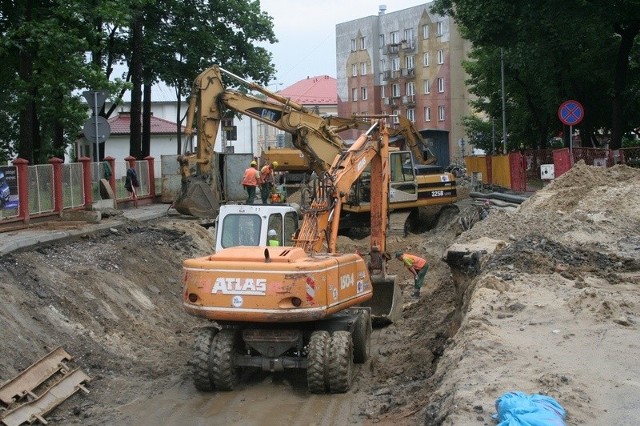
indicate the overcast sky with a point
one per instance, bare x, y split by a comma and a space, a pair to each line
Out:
306, 33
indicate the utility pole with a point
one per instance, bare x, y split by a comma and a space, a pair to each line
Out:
504, 111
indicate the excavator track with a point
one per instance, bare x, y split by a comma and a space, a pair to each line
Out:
23, 402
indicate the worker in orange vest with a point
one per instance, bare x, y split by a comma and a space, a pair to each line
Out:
251, 180
268, 180
417, 266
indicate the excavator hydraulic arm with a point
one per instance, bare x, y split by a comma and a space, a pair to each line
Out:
210, 101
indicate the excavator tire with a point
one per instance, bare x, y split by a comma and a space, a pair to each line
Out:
340, 362
318, 361
362, 337
224, 371
201, 362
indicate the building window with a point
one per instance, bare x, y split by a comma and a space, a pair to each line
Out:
363, 91
354, 70
426, 86
441, 56
411, 88
383, 91
425, 59
408, 35
354, 94
425, 31
395, 64
411, 115
395, 90
396, 115
363, 68
427, 114
381, 40
439, 30
411, 59
440, 84
362, 43
353, 44
441, 113
395, 37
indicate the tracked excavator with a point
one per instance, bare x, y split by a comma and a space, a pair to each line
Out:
314, 136
301, 307
293, 159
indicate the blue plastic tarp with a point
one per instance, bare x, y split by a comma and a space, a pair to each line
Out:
520, 409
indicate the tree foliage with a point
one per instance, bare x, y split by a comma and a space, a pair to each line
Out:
553, 51
52, 50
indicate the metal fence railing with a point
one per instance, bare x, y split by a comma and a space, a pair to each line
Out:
48, 189
41, 196
72, 186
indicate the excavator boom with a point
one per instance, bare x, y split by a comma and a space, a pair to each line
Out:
209, 102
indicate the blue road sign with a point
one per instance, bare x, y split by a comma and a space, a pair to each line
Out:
571, 113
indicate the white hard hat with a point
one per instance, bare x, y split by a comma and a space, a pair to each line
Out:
272, 233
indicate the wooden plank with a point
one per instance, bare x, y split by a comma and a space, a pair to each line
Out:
36, 409
33, 376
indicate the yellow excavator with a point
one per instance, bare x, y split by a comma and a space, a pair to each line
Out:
300, 307
314, 136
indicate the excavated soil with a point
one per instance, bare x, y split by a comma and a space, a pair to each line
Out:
553, 310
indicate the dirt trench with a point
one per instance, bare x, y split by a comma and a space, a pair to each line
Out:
112, 300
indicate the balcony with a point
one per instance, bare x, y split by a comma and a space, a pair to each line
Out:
392, 102
393, 48
408, 45
409, 100
408, 72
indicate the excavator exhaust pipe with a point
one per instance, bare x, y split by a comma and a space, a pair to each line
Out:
197, 199
386, 303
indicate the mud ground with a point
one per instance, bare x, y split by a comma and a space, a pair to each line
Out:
553, 310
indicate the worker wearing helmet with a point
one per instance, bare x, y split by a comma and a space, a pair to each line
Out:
417, 266
251, 180
268, 180
273, 238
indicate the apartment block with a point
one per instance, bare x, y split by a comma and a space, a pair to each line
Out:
407, 62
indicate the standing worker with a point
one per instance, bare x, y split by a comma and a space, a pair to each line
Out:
250, 181
268, 180
417, 266
130, 184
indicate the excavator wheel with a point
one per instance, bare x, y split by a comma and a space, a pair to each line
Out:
225, 374
317, 361
340, 362
201, 362
362, 337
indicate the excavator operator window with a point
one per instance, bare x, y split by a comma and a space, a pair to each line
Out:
402, 169
290, 227
241, 230
275, 222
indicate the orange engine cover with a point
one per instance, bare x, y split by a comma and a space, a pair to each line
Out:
273, 284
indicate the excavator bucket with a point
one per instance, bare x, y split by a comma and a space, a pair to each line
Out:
197, 199
386, 303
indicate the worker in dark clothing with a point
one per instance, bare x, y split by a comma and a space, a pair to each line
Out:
417, 266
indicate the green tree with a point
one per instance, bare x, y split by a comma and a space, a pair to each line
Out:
199, 33
52, 50
553, 51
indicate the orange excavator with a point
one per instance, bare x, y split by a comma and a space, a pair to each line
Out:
305, 306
